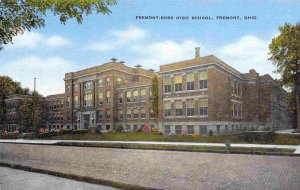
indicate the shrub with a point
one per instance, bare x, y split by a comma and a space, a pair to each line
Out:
256, 136
184, 133
196, 134
155, 130
210, 133
118, 127
10, 135
80, 131
27, 135
146, 129
139, 130
160, 133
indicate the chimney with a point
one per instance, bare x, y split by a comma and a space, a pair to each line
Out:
197, 52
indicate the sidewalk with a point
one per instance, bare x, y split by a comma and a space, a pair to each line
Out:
53, 142
19, 180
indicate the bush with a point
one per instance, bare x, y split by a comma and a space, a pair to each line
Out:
155, 130
210, 133
139, 130
196, 134
256, 136
27, 135
9, 136
79, 131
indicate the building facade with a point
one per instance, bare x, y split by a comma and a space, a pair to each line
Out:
202, 95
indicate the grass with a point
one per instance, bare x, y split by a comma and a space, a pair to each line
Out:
278, 139
181, 148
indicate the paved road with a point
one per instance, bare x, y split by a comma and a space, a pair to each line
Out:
12, 179
161, 169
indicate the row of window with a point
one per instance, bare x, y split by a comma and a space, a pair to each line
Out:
88, 98
89, 85
130, 114
190, 82
203, 129
190, 107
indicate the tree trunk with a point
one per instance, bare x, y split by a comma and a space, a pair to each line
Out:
298, 106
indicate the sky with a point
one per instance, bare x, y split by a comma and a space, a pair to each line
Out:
50, 52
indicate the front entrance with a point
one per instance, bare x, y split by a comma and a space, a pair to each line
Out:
86, 121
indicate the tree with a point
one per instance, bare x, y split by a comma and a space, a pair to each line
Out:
285, 54
154, 90
8, 87
32, 111
26, 112
20, 15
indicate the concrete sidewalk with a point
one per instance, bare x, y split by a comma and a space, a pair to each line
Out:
53, 142
19, 180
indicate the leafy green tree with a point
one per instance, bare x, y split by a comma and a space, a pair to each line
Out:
20, 15
285, 55
154, 90
26, 112
8, 87
31, 111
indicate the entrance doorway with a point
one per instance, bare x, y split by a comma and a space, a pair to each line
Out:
86, 121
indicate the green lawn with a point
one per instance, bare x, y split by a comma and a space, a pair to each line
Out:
180, 148
278, 139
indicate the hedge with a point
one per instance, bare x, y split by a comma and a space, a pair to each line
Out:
256, 136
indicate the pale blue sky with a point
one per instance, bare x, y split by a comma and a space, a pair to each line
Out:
50, 52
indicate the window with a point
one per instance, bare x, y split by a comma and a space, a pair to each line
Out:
128, 96
178, 83
87, 100
128, 113
119, 80
203, 103
100, 115
76, 101
87, 85
135, 95
107, 97
107, 114
190, 81
178, 129
135, 113
167, 108
167, 129
143, 113
120, 114
68, 88
100, 82
167, 84
236, 110
190, 107
178, 108
107, 81
203, 79
218, 129
120, 98
143, 95
203, 129
76, 87
190, 129
128, 128
100, 98
107, 127
226, 129
68, 101
232, 128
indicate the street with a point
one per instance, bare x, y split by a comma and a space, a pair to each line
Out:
161, 169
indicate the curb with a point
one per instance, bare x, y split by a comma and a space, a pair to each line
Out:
109, 183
